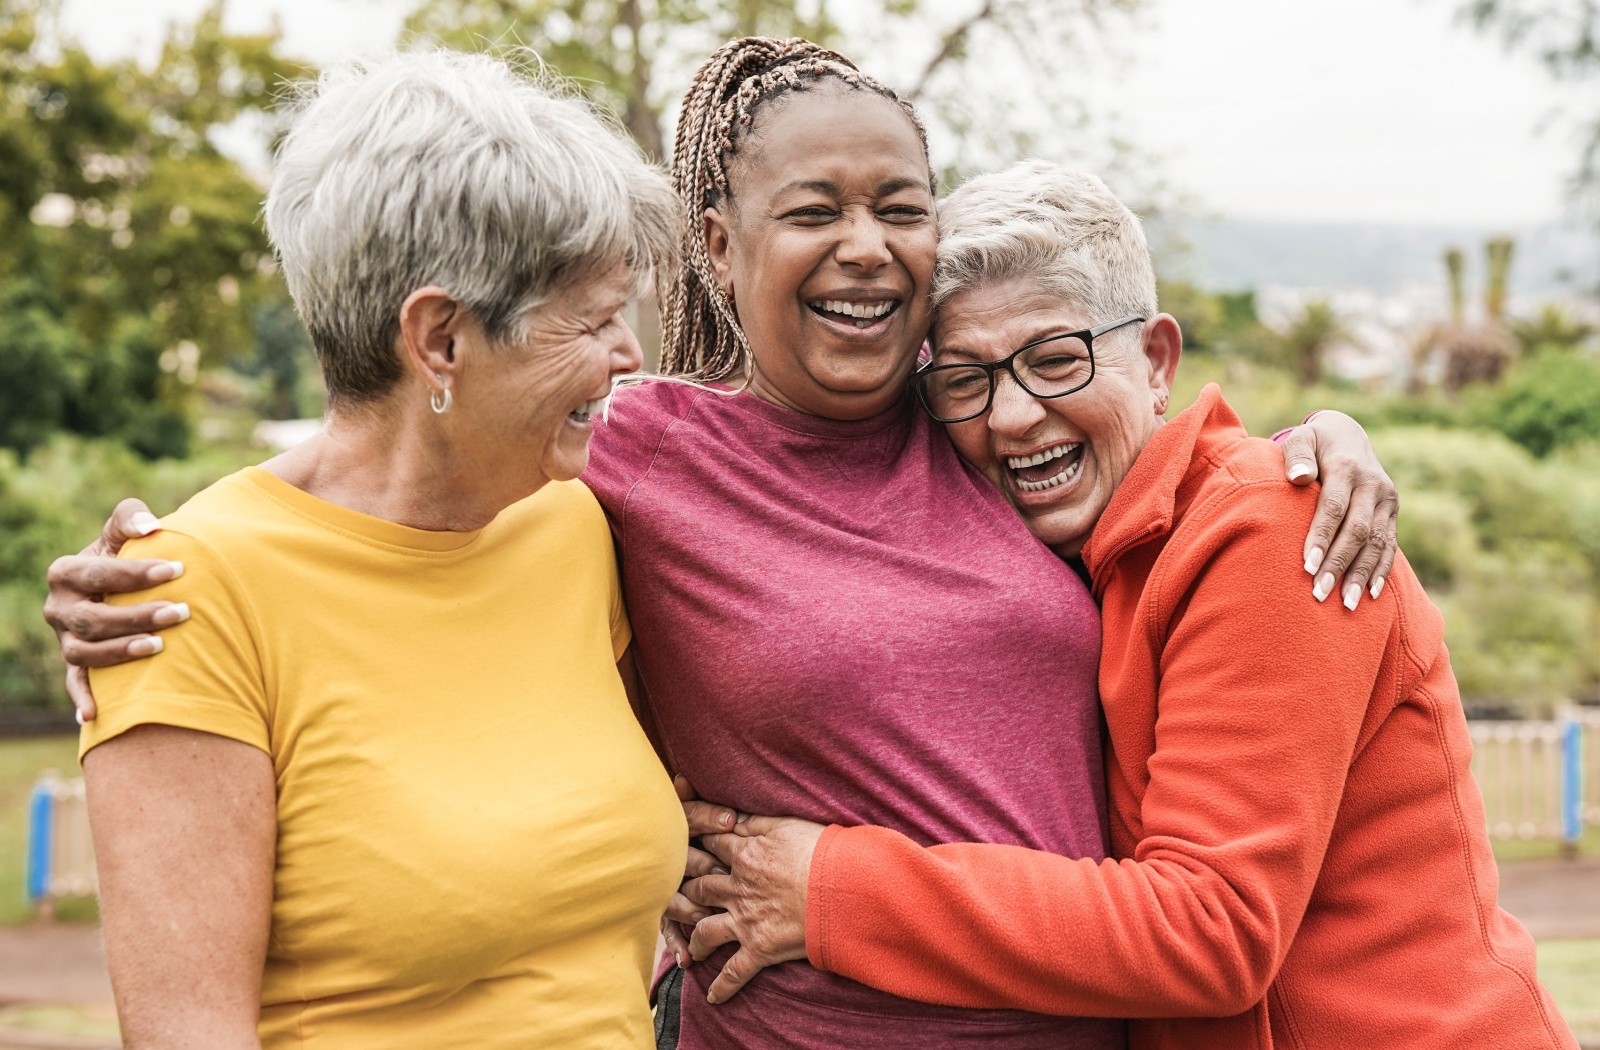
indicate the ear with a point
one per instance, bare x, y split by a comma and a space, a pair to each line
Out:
719, 242
1163, 345
431, 323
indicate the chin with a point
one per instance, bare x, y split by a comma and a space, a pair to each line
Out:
1063, 530
565, 466
860, 376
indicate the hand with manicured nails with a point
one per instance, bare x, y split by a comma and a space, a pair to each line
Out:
94, 634
762, 894
1352, 536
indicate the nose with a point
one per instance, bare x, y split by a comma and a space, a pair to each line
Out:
1014, 411
626, 353
863, 245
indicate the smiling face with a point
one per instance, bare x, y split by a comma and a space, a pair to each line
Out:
532, 403
827, 248
1057, 460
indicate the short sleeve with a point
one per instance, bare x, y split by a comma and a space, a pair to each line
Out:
208, 677
626, 441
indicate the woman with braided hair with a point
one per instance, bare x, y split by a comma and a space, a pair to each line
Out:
834, 617
833, 614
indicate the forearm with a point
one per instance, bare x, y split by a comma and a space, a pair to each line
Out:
184, 827
1252, 745
978, 925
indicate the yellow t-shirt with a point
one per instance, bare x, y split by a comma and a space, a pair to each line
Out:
475, 839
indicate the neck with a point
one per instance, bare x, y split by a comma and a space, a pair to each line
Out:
399, 464
842, 407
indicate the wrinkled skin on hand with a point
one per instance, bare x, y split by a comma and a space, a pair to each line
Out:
762, 897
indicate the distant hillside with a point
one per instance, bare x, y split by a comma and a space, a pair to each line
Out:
1550, 260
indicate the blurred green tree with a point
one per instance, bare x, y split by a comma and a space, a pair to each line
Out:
1309, 338
1549, 402
966, 65
1565, 36
1552, 329
130, 250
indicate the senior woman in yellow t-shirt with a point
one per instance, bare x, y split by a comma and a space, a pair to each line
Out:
385, 789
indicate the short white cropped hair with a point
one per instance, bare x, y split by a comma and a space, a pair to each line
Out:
432, 167
1059, 228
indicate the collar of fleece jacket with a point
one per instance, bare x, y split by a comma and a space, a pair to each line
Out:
1146, 504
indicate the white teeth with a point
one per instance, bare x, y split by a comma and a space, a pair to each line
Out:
589, 408
1060, 479
1018, 462
848, 309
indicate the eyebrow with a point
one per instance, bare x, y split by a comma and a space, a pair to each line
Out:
819, 185
832, 188
1048, 332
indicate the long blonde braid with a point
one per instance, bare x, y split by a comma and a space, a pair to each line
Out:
701, 337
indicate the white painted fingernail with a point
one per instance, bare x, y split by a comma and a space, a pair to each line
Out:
167, 570
144, 523
1323, 588
145, 646
1301, 470
79, 716
172, 614
1313, 561
1377, 586
1352, 595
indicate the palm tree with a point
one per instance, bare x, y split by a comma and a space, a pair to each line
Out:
1309, 338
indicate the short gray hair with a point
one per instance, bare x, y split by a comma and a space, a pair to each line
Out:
435, 167
1044, 223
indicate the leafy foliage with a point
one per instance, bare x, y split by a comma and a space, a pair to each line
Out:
130, 251
53, 505
1550, 402
995, 79
1565, 36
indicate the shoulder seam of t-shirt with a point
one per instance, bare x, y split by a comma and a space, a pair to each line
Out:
253, 624
654, 455
367, 540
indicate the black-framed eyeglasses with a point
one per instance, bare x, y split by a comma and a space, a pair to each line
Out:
1054, 366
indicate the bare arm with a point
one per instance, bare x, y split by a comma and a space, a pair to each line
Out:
185, 829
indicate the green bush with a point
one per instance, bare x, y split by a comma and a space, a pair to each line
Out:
1509, 548
55, 504
1552, 400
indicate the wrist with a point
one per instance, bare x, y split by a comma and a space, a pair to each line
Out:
1281, 436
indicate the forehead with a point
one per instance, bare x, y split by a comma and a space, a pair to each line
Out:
1001, 316
829, 133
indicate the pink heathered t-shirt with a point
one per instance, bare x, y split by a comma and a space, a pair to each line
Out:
841, 621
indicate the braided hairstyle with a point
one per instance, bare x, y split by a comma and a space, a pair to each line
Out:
701, 338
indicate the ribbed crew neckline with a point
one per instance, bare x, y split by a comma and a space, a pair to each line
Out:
362, 526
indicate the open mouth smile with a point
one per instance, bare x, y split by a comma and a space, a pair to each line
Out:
1046, 468
588, 410
861, 316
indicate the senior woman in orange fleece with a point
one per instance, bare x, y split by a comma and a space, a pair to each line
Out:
1301, 853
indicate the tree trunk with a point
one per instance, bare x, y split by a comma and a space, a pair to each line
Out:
644, 123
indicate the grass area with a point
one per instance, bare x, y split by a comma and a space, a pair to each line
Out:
80, 1021
21, 762
1571, 970
1543, 849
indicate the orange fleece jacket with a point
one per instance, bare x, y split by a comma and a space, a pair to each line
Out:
1302, 858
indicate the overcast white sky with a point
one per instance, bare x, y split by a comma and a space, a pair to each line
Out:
1307, 110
